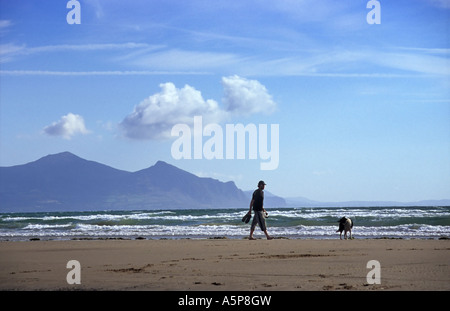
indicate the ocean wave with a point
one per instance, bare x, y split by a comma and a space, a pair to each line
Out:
291, 223
386, 213
45, 227
404, 231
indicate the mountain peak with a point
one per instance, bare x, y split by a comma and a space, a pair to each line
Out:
162, 163
66, 155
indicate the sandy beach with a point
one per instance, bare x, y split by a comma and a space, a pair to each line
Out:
227, 265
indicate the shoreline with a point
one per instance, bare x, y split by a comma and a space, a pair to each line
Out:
226, 265
233, 238
43, 239
196, 238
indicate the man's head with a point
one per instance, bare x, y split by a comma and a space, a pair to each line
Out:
261, 184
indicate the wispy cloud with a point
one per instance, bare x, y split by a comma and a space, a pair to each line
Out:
278, 57
339, 62
97, 7
9, 51
360, 63
177, 59
397, 62
440, 3
97, 73
423, 64
86, 47
4, 25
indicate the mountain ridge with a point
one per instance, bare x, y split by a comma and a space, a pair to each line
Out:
64, 181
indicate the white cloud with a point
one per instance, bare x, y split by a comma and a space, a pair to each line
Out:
246, 97
68, 126
155, 116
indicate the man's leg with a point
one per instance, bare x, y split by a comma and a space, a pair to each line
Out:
251, 234
252, 227
267, 235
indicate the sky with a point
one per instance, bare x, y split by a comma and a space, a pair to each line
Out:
341, 108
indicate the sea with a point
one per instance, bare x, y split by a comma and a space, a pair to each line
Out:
414, 222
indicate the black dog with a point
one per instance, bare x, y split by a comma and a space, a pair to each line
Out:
346, 225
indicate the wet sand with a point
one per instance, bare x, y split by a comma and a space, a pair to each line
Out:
227, 265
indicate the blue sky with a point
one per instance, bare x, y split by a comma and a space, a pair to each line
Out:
363, 110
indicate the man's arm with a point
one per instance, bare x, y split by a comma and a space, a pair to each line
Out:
251, 204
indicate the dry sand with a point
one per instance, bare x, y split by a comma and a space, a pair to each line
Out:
223, 265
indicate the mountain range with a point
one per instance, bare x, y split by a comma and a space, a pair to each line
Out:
66, 182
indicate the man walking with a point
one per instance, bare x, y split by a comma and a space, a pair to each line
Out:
258, 207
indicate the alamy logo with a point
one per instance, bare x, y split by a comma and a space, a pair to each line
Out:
221, 144
374, 275
74, 275
374, 16
74, 15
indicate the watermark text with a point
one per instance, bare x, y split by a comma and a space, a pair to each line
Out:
74, 15
231, 143
374, 275
374, 16
74, 275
